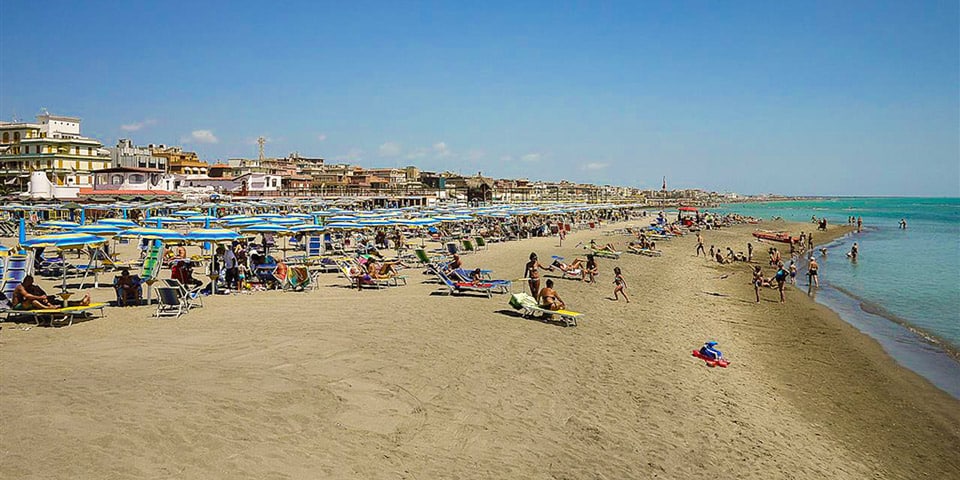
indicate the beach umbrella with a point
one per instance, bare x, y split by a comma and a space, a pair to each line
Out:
66, 241
242, 222
342, 218
200, 219
306, 228
344, 226
374, 222
265, 228
99, 230
118, 222
57, 224
162, 234
284, 220
186, 213
214, 235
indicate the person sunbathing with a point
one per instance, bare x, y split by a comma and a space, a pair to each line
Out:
571, 268
604, 248
129, 286
549, 298
24, 300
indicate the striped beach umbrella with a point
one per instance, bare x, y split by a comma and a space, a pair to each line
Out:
99, 230
163, 234
344, 226
214, 235
306, 228
64, 241
118, 222
58, 225
265, 228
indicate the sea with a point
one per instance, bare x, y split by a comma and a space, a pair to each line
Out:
904, 288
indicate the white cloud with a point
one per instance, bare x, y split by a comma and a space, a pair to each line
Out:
352, 155
441, 149
531, 157
135, 126
200, 136
390, 149
475, 155
321, 137
595, 166
418, 153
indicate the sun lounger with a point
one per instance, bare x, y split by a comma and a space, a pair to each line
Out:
481, 243
59, 315
530, 308
465, 287
606, 253
298, 278
645, 251
467, 245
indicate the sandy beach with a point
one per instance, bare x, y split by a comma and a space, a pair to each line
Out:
409, 382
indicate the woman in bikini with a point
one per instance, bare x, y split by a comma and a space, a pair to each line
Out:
549, 298
532, 273
619, 285
590, 269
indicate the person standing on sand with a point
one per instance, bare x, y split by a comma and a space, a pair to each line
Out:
619, 285
700, 245
781, 278
812, 272
532, 273
810, 241
793, 272
749, 252
757, 281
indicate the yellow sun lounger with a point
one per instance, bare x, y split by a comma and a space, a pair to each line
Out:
528, 305
65, 314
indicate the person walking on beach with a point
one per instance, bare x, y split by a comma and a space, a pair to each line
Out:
812, 272
532, 273
859, 224
700, 248
781, 278
810, 241
757, 281
619, 285
793, 272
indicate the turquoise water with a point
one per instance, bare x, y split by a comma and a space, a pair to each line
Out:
910, 277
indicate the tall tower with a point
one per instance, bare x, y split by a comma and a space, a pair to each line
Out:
260, 142
664, 187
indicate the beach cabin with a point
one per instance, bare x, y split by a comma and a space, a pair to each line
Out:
127, 179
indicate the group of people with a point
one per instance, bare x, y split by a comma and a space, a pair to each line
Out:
548, 297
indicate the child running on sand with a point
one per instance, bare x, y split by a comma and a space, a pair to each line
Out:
793, 272
758, 281
619, 285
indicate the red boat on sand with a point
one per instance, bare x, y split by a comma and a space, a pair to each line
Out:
775, 236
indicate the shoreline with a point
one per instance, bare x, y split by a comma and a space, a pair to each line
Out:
406, 382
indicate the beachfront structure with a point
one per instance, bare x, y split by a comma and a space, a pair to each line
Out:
126, 154
180, 161
54, 146
132, 179
246, 185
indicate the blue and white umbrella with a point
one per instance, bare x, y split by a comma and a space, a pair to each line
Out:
99, 230
163, 234
58, 224
265, 228
118, 222
214, 235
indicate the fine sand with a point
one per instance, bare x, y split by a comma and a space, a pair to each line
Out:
408, 382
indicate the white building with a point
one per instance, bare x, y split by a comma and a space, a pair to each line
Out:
126, 154
53, 145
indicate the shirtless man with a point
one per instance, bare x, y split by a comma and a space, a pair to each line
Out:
700, 248
549, 298
29, 296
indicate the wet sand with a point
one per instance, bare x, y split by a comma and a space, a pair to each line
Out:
408, 382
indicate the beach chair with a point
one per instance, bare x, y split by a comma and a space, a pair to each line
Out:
63, 314
426, 259
481, 243
190, 295
120, 300
457, 288
605, 253
169, 302
452, 248
530, 308
362, 279
461, 275
17, 267
314, 246
298, 278
467, 245
647, 252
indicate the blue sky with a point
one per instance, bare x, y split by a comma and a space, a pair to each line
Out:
855, 98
